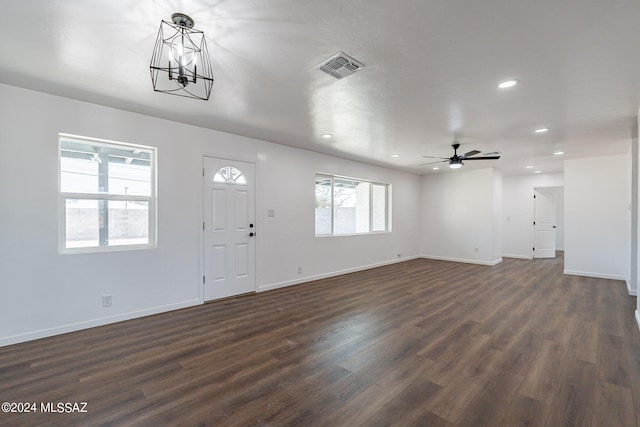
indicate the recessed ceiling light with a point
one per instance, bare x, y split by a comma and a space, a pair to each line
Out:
327, 136
559, 153
541, 130
436, 168
529, 167
507, 84
537, 171
395, 156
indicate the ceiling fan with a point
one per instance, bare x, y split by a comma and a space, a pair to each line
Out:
455, 161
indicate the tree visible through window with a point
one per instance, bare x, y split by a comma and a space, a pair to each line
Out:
350, 206
107, 193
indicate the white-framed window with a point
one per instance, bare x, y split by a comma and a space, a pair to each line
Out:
107, 195
350, 206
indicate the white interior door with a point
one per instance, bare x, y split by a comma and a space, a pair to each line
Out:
229, 228
544, 223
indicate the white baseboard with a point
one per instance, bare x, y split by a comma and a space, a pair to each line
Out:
72, 327
517, 256
632, 292
638, 318
596, 275
306, 279
464, 260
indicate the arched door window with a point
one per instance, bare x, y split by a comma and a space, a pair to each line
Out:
229, 175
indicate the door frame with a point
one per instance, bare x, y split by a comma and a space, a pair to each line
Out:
222, 156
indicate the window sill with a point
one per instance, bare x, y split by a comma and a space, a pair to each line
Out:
354, 234
102, 249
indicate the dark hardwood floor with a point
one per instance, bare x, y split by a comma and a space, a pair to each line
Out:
423, 342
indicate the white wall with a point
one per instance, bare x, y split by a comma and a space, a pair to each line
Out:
517, 220
632, 283
287, 185
459, 211
597, 217
44, 293
635, 213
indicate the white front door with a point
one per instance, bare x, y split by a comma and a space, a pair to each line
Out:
544, 223
229, 228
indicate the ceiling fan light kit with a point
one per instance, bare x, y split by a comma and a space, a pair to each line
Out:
456, 161
180, 64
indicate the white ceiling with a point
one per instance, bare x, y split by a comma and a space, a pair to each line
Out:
432, 69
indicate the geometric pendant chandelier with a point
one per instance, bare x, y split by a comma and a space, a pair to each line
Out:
180, 62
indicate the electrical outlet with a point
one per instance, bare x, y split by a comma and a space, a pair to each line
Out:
107, 301
399, 254
476, 250
299, 269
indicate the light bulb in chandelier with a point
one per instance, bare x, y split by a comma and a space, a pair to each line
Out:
182, 54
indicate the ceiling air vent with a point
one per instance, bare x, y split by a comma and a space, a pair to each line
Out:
340, 65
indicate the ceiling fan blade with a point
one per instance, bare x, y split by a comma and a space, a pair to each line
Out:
432, 157
433, 163
484, 158
470, 153
493, 153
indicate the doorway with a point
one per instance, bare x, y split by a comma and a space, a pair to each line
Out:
228, 227
548, 221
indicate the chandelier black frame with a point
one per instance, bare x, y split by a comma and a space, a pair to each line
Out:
181, 54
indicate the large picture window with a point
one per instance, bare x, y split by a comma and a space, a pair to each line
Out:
107, 195
350, 206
